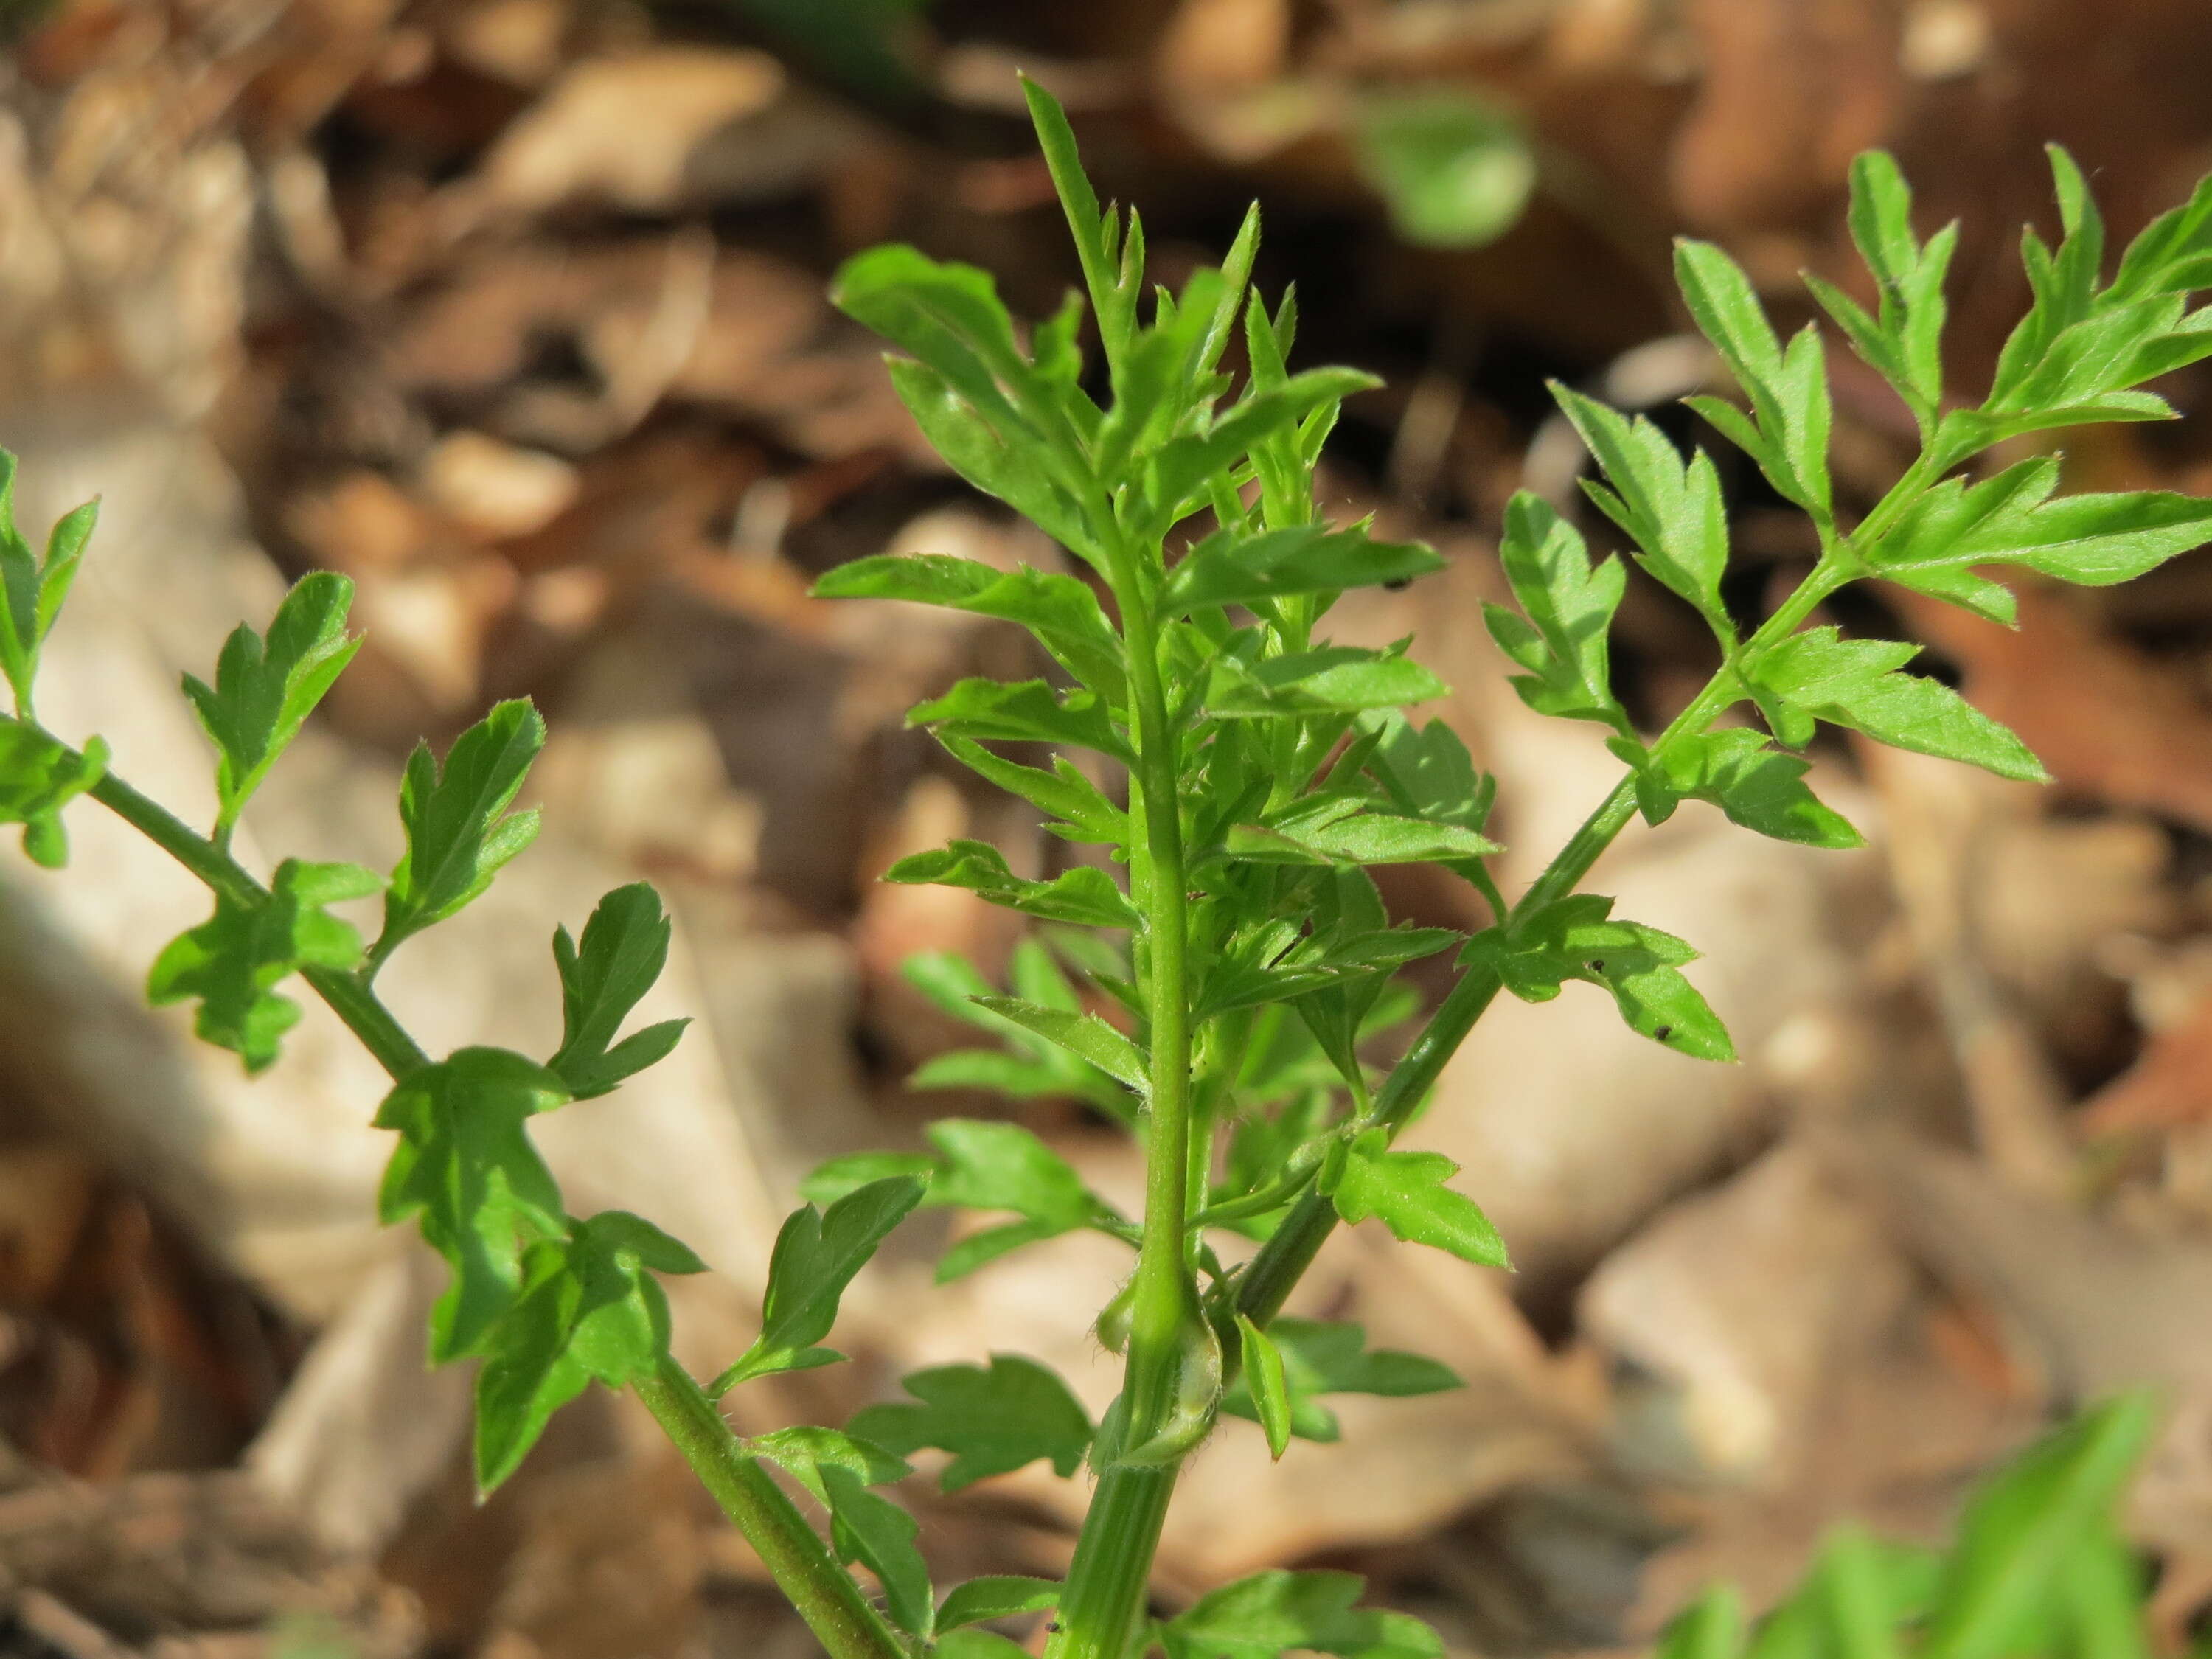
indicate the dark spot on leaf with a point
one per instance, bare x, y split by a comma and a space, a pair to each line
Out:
1663, 1032
1597, 965
1398, 583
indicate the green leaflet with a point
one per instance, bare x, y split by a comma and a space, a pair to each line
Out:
1235, 568
992, 1421
804, 1452
2011, 519
1405, 1192
1271, 1612
466, 1170
1320, 1358
32, 587
1427, 772
1710, 1628
980, 1165
1084, 896
460, 831
1671, 510
233, 961
949, 316
1857, 682
977, 452
1061, 610
879, 1535
265, 689
1455, 169
589, 1311
1738, 771
1085, 1036
39, 776
1001, 1596
1566, 608
1576, 938
816, 1255
625, 946
1266, 1391
1335, 830
1031, 1066
1331, 679
1028, 711
1788, 435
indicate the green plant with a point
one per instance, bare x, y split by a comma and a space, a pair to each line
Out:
2038, 1568
1246, 773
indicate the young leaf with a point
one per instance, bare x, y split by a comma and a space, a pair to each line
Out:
625, 946
1231, 567
1266, 1389
1672, 511
1332, 679
1736, 769
1320, 1358
466, 1168
459, 832
1026, 712
1085, 895
1567, 605
1577, 938
816, 1255
974, 451
590, 1309
992, 1421
1002, 1596
1270, 1612
1857, 682
879, 1535
1406, 1191
949, 316
39, 776
1085, 1036
32, 589
263, 690
1061, 611
1904, 341
1085, 812
804, 1452
234, 961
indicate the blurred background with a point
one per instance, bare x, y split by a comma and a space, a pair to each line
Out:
512, 310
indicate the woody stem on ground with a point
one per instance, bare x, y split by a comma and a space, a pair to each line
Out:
821, 1591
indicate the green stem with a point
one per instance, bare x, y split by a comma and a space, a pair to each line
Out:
823, 1593
1105, 1591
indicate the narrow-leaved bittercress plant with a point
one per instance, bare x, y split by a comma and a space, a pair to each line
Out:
1210, 978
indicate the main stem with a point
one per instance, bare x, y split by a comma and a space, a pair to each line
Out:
823, 1593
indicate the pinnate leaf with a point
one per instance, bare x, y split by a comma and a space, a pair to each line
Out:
1858, 684
624, 947
1273, 1613
1407, 1192
465, 1169
39, 776
1085, 895
265, 689
589, 1311
1787, 389
233, 961
992, 1420
1328, 680
816, 1255
460, 831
